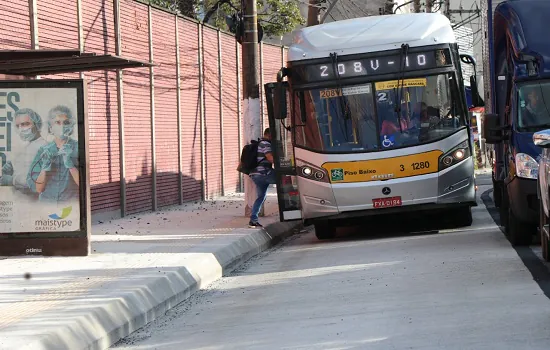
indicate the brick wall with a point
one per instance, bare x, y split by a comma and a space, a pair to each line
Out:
149, 123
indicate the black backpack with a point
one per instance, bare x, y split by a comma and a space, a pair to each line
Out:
249, 157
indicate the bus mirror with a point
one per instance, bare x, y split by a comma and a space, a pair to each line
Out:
280, 102
492, 132
477, 101
468, 59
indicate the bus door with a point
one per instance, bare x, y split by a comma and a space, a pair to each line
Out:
283, 152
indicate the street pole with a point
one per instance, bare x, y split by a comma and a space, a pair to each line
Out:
448, 8
388, 8
251, 90
416, 6
313, 13
429, 5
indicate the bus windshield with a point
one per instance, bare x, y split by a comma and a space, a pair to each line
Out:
380, 116
534, 106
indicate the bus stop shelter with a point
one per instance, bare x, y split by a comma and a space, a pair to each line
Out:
28, 223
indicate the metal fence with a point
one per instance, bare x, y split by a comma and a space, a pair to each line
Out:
158, 136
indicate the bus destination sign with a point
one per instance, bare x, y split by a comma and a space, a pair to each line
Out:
379, 65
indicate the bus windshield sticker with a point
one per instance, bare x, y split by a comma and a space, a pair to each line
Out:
347, 91
356, 90
392, 84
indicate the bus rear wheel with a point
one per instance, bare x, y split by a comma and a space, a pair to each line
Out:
325, 230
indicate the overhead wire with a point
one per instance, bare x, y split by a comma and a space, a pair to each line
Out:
466, 21
359, 7
342, 14
345, 7
467, 35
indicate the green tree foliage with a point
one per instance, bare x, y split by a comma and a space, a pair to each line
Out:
277, 17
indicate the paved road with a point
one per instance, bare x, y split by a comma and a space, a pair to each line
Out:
452, 289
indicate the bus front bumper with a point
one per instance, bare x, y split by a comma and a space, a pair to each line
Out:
445, 190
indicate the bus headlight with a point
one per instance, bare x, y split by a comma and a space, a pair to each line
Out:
454, 156
459, 154
309, 171
526, 166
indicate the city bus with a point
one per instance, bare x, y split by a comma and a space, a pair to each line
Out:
369, 117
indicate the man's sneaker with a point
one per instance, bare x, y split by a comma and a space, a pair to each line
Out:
254, 225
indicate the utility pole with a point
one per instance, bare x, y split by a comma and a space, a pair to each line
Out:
251, 90
313, 12
448, 8
429, 5
388, 7
416, 6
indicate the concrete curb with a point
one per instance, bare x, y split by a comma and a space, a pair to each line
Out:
103, 323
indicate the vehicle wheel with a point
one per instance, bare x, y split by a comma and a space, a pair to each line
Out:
325, 230
497, 194
545, 244
464, 217
503, 209
544, 241
519, 233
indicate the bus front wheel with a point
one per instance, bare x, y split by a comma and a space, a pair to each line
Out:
325, 230
464, 217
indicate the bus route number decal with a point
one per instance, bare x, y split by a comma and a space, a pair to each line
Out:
329, 93
416, 166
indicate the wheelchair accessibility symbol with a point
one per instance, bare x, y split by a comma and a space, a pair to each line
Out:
387, 142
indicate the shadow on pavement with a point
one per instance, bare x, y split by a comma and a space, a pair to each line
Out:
538, 269
390, 226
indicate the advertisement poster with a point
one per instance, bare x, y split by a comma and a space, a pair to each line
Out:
40, 163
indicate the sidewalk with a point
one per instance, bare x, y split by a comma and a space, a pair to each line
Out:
483, 171
140, 267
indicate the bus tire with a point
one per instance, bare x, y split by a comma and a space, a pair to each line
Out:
544, 241
519, 233
464, 217
325, 230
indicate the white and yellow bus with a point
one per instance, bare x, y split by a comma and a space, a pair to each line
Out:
372, 119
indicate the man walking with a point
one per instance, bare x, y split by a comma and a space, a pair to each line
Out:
263, 176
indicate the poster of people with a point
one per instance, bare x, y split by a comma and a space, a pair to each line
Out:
39, 156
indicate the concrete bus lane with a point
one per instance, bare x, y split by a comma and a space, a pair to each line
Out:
375, 288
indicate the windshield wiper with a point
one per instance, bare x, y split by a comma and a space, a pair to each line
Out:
404, 51
343, 103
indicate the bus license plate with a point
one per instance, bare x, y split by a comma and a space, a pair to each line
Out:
386, 202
